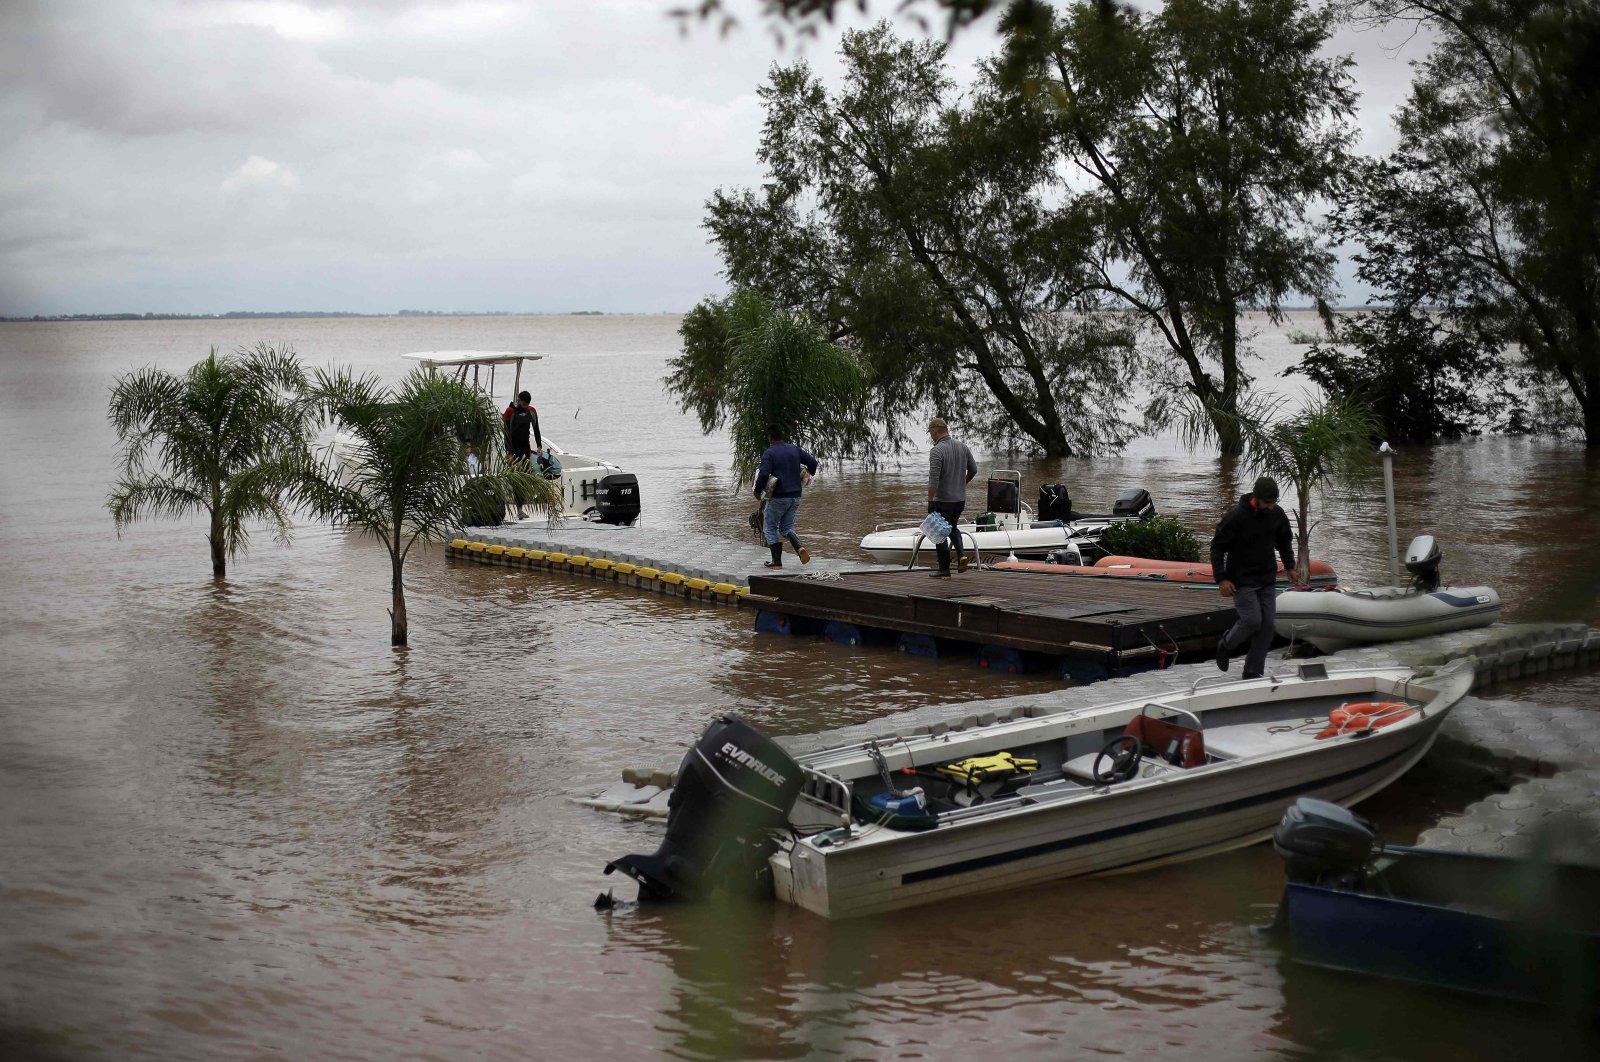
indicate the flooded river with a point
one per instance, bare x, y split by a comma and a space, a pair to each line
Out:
235, 824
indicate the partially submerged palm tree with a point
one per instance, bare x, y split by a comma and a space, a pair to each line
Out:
220, 439
399, 472
1327, 443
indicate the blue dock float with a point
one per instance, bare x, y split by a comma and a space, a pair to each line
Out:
768, 622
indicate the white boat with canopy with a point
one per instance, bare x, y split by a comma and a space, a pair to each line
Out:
591, 488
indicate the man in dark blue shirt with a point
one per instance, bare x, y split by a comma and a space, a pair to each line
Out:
785, 470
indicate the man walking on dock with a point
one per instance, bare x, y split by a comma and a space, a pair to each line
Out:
784, 472
950, 468
1246, 570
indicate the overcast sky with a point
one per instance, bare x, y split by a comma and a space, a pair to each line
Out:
200, 156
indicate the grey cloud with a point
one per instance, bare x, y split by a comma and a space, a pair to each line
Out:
556, 158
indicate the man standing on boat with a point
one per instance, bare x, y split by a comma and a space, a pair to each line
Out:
1246, 570
785, 470
521, 420
950, 469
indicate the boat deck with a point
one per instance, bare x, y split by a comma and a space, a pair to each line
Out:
1122, 622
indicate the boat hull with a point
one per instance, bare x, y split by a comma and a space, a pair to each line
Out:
1456, 932
897, 545
1335, 620
1135, 826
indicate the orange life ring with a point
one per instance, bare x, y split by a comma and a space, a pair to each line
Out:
1366, 715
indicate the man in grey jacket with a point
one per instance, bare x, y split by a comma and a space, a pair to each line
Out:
950, 468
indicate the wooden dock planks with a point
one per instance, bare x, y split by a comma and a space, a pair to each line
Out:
1030, 611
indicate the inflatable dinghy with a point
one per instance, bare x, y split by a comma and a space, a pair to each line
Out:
1336, 619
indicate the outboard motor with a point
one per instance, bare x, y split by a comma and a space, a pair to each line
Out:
733, 788
1136, 504
1422, 561
616, 497
1320, 841
1068, 554
1055, 502
1004, 496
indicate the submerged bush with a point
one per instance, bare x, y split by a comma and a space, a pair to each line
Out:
1159, 538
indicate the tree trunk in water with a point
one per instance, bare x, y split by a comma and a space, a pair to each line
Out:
1230, 440
1591, 415
397, 614
1302, 553
219, 554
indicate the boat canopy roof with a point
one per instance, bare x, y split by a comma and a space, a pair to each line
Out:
435, 359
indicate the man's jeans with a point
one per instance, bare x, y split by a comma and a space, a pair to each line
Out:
950, 511
1258, 607
779, 519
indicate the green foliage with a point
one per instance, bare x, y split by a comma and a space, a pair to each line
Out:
1486, 214
1205, 131
923, 234
220, 439
1329, 443
1423, 378
399, 471
748, 365
1159, 538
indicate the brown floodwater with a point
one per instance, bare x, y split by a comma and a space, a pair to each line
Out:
235, 824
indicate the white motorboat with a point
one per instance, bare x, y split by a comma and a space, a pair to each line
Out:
1009, 527
591, 489
898, 822
1335, 619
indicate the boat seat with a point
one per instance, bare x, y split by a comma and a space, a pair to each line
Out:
1081, 768
1158, 735
1242, 741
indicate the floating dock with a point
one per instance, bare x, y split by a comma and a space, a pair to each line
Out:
1079, 628
677, 563
1086, 629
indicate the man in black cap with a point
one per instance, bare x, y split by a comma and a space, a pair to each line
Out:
1246, 570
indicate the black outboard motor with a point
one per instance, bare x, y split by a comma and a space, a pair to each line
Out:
1321, 842
1135, 503
617, 498
1422, 561
733, 788
1004, 496
1055, 502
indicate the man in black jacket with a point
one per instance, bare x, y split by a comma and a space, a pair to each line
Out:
1246, 570
521, 418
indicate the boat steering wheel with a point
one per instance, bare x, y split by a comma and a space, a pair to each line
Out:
1123, 752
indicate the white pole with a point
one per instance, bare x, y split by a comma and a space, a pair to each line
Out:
1388, 498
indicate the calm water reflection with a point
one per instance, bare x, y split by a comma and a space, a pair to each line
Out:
234, 822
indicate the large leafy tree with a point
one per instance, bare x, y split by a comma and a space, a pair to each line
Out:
398, 469
1204, 133
748, 365
1422, 376
220, 439
928, 238
1488, 212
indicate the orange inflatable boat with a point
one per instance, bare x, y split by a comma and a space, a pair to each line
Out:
1322, 573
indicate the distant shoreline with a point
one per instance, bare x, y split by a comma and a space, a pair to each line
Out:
278, 315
